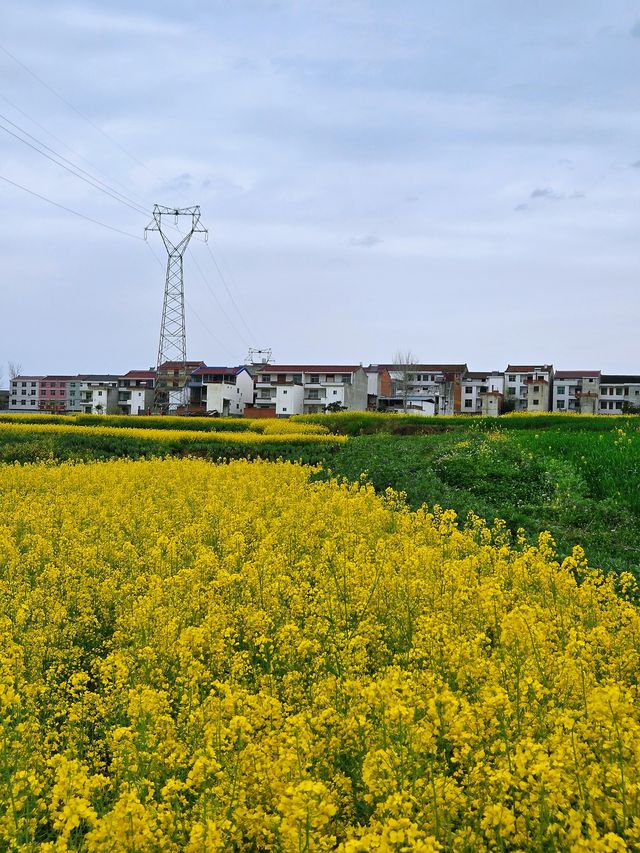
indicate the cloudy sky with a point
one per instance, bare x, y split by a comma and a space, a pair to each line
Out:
459, 179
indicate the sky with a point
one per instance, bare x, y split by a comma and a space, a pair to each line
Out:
459, 180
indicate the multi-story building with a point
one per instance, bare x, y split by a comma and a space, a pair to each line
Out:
135, 392
221, 390
293, 389
426, 389
172, 378
59, 393
25, 393
528, 387
477, 384
98, 393
576, 391
619, 393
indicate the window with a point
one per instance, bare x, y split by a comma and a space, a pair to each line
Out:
32, 393
536, 389
511, 389
285, 391
32, 402
284, 408
512, 378
346, 378
99, 393
24, 391
266, 377
335, 392
24, 384
33, 384
282, 377
314, 378
468, 389
483, 389
330, 377
560, 404
560, 389
297, 377
468, 404
618, 405
23, 402
536, 402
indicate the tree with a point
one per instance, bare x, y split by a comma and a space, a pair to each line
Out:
403, 374
14, 368
332, 408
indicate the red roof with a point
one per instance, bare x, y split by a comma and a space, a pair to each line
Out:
59, 377
575, 374
426, 368
309, 368
139, 374
176, 365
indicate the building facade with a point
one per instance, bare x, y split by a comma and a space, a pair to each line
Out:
528, 387
135, 392
222, 391
294, 389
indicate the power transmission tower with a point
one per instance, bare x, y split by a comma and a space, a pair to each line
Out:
171, 389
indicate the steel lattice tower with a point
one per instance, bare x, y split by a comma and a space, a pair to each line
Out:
171, 389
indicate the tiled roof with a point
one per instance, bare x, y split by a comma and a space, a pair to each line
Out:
139, 374
427, 368
310, 368
527, 368
64, 378
176, 365
621, 379
218, 371
575, 374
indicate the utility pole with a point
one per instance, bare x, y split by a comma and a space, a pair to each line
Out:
171, 389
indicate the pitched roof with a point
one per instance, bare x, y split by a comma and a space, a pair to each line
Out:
139, 374
309, 368
218, 371
622, 379
527, 368
575, 374
176, 365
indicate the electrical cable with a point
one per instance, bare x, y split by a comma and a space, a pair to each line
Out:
81, 114
69, 210
213, 336
220, 305
67, 168
226, 286
144, 202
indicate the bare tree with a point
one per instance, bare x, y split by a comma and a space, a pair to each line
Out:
14, 368
404, 375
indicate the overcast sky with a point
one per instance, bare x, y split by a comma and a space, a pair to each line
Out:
457, 179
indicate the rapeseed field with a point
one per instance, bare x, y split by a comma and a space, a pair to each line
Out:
228, 657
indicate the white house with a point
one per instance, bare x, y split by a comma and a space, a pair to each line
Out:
225, 390
293, 389
135, 392
529, 386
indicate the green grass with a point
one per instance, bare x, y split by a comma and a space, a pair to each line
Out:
582, 486
371, 423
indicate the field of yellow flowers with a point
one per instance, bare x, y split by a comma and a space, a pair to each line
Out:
227, 657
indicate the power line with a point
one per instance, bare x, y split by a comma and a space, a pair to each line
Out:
219, 304
145, 202
91, 180
80, 113
68, 209
193, 311
226, 286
